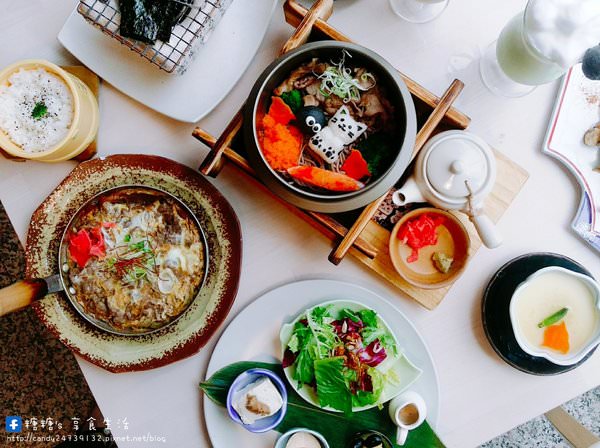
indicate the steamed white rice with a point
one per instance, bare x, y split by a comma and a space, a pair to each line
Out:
25, 89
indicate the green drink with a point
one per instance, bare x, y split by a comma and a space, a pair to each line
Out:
539, 45
519, 60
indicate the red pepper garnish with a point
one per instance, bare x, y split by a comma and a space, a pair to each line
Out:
420, 232
84, 244
97, 238
123, 266
356, 166
79, 247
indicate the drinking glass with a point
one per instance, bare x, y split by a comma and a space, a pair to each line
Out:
512, 66
418, 11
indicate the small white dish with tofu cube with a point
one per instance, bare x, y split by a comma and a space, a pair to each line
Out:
257, 400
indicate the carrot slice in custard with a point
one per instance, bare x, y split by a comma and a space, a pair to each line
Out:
556, 337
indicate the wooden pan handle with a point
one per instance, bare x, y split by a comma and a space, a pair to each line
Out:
322, 9
21, 294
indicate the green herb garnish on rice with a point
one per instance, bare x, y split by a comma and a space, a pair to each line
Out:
39, 111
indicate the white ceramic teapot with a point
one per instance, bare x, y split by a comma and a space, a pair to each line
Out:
455, 170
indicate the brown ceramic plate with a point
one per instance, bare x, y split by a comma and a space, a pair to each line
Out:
199, 322
453, 240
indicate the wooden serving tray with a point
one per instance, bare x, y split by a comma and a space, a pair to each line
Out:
365, 233
93, 82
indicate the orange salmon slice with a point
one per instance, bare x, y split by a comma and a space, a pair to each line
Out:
328, 180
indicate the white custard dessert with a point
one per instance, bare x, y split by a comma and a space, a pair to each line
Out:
257, 400
556, 312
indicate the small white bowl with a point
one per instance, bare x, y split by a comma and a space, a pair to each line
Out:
561, 360
283, 439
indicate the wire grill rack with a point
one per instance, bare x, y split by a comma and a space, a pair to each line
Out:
171, 56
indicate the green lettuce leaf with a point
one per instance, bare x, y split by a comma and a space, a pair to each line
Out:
347, 312
300, 338
305, 370
318, 314
331, 384
324, 339
294, 343
374, 330
363, 398
368, 317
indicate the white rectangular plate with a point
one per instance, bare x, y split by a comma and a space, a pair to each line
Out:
577, 109
215, 69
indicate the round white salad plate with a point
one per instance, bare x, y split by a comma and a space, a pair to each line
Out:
254, 336
406, 372
216, 68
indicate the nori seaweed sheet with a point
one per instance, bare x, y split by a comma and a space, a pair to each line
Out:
149, 20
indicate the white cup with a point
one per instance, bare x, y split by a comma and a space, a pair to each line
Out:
407, 411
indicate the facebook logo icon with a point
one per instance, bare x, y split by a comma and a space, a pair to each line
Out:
13, 423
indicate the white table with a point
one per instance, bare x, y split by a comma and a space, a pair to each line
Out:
481, 395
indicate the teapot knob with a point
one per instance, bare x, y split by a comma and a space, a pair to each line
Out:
456, 167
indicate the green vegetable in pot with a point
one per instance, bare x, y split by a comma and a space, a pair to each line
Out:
293, 98
377, 150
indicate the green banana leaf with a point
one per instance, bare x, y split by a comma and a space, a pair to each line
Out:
337, 428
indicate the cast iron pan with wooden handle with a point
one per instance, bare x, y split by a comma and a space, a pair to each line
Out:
24, 292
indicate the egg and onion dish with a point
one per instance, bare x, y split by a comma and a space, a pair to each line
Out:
135, 259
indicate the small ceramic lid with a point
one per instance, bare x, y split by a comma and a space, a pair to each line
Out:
456, 160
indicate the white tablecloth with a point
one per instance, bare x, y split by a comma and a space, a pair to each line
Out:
481, 396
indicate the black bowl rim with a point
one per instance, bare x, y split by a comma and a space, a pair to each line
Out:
337, 202
536, 365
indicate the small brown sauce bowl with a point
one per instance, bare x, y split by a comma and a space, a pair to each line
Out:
453, 240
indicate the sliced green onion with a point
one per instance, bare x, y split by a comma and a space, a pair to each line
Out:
553, 318
338, 80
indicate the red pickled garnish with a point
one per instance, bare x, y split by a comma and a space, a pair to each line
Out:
97, 239
420, 232
84, 244
79, 247
356, 166
109, 225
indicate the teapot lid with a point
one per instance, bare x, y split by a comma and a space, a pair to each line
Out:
458, 164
